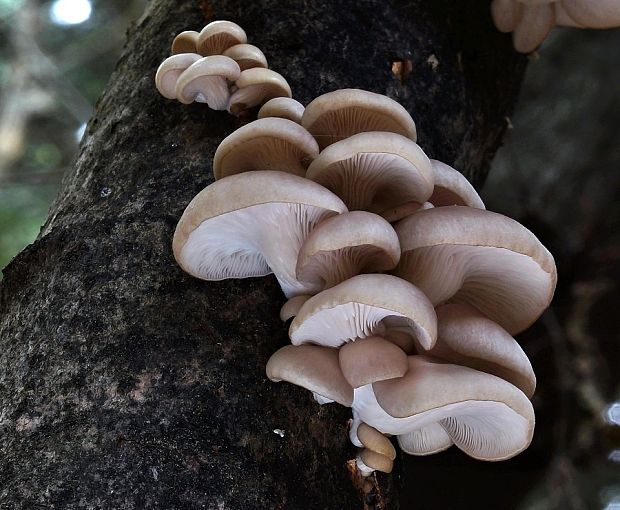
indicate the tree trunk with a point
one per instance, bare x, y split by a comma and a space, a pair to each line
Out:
124, 382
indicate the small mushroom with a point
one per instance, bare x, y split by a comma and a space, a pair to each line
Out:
375, 441
534, 26
374, 171
365, 305
256, 86
466, 337
169, 71
252, 224
486, 417
375, 461
247, 56
371, 359
345, 112
185, 42
283, 107
506, 14
218, 36
346, 245
206, 81
265, 144
291, 308
312, 367
467, 255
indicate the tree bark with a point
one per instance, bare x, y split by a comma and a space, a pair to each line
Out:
125, 383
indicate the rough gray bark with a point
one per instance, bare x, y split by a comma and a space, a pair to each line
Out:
125, 383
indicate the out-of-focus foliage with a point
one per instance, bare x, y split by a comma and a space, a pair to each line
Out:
55, 59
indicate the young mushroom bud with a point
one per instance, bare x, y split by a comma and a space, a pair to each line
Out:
266, 144
255, 86
247, 56
169, 71
218, 36
345, 112
206, 81
282, 107
185, 42
252, 224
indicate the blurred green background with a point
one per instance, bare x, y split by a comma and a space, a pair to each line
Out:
558, 173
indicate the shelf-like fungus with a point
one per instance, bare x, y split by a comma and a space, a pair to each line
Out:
266, 144
206, 81
256, 86
345, 112
252, 224
469, 255
218, 36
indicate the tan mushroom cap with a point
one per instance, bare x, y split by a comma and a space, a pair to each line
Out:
376, 461
534, 25
283, 107
169, 71
375, 441
218, 36
371, 359
592, 13
345, 112
313, 367
466, 337
374, 171
265, 144
252, 224
185, 42
256, 86
362, 306
426, 440
506, 14
485, 416
468, 255
346, 245
206, 81
292, 306
452, 188
247, 56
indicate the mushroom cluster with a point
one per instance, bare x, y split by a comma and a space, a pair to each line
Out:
403, 290
218, 67
530, 21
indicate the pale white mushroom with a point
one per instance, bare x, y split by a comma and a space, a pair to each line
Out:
206, 81
265, 144
362, 306
468, 255
169, 71
218, 36
252, 224
247, 56
255, 86
345, 112
283, 107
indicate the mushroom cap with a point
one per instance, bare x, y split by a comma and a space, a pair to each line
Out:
466, 337
486, 417
283, 107
265, 144
169, 71
534, 25
452, 188
402, 211
346, 245
206, 81
468, 255
185, 42
506, 14
345, 112
247, 56
256, 86
252, 224
375, 441
374, 171
593, 13
218, 36
427, 440
376, 461
292, 306
312, 367
364, 306
371, 359
562, 18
